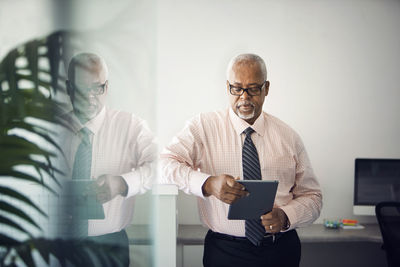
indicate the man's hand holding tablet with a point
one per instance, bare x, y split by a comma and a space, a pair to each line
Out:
224, 187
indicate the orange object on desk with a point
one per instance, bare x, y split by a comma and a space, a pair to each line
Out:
349, 222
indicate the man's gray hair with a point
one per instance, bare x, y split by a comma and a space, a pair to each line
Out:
88, 61
247, 58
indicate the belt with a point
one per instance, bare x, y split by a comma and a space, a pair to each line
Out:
267, 239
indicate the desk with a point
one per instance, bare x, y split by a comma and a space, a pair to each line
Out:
194, 234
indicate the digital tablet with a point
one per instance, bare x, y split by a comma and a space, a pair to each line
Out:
80, 200
260, 201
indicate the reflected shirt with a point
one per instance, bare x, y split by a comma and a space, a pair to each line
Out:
122, 145
211, 144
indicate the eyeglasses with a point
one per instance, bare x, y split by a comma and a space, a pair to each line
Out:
251, 91
97, 89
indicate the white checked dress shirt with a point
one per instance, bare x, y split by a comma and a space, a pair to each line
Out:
122, 145
211, 144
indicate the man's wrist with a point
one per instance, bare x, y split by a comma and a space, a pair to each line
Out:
205, 187
123, 187
286, 226
285, 221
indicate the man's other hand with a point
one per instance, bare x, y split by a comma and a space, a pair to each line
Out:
274, 221
224, 187
108, 186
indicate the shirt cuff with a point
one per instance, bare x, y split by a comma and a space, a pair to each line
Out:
291, 215
133, 181
196, 181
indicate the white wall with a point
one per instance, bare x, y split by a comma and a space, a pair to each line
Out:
333, 67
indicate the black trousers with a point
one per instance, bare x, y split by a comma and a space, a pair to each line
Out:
222, 250
117, 242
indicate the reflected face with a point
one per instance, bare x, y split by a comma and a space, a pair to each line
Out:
247, 75
88, 92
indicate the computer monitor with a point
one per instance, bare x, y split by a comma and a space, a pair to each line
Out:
375, 180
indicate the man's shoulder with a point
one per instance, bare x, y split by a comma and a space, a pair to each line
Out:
120, 116
211, 116
124, 121
67, 122
277, 124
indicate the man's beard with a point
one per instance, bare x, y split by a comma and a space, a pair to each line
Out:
87, 111
245, 116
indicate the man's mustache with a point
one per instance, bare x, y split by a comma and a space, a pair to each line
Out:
245, 102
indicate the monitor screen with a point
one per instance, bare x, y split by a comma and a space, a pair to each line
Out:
376, 180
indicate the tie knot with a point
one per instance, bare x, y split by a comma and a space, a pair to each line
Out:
248, 131
85, 132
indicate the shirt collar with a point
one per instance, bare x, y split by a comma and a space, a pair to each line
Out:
240, 125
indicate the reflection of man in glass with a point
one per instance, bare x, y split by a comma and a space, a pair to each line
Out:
113, 148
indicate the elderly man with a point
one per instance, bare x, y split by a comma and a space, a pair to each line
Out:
113, 148
243, 142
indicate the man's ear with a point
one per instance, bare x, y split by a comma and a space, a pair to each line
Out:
68, 86
70, 90
106, 87
266, 87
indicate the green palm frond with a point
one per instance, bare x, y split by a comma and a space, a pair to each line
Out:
7, 207
6, 191
6, 221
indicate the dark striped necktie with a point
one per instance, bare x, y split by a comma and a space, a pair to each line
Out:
83, 157
255, 231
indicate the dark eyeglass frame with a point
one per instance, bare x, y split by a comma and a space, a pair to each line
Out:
94, 88
246, 89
